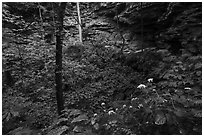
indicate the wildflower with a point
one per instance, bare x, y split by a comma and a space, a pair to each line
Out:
112, 122
150, 80
124, 106
116, 109
140, 105
141, 86
187, 88
102, 104
133, 99
95, 114
111, 112
130, 106
153, 89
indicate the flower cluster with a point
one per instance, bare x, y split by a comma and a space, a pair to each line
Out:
111, 112
141, 86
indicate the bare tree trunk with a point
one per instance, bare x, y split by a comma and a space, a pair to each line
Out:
41, 25
8, 78
79, 21
120, 32
142, 25
58, 70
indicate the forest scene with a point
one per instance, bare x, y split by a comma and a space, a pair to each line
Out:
101, 68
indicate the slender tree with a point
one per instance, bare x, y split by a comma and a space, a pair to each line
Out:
41, 19
58, 71
79, 21
142, 25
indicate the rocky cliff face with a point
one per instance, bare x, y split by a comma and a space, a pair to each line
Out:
172, 26
165, 25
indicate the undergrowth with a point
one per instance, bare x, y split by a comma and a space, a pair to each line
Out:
171, 105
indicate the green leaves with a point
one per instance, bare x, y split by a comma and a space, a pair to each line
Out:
180, 112
74, 112
80, 118
160, 118
58, 131
196, 113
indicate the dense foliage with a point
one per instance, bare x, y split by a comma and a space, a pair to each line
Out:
137, 72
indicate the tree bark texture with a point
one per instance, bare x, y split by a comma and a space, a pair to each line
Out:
7, 78
58, 70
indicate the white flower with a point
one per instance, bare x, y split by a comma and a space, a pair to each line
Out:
95, 114
111, 112
124, 106
116, 109
134, 99
141, 86
130, 106
140, 105
153, 89
187, 88
102, 104
150, 80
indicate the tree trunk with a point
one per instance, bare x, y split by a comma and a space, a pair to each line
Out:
58, 70
142, 25
79, 21
41, 25
7, 77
